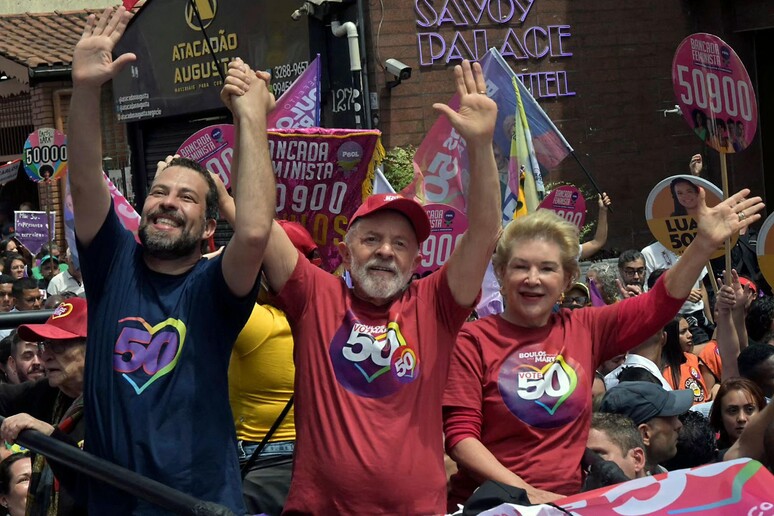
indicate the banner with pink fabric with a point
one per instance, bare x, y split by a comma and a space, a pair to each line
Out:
736, 487
323, 176
126, 213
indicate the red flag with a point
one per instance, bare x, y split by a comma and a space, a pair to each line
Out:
129, 4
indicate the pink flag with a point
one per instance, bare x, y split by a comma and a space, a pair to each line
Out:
299, 106
440, 165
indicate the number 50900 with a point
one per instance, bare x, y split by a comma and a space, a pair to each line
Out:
725, 96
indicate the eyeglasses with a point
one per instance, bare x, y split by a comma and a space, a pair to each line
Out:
628, 271
57, 347
578, 300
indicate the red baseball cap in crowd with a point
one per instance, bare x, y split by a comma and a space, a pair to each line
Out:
745, 282
67, 322
301, 240
408, 207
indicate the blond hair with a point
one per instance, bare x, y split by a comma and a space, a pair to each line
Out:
540, 225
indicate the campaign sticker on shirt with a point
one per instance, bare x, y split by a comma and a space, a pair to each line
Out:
538, 387
447, 224
765, 249
671, 211
45, 155
692, 383
567, 202
372, 360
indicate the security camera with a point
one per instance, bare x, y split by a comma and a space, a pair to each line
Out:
400, 70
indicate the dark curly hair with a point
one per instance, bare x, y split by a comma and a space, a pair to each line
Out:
759, 318
696, 443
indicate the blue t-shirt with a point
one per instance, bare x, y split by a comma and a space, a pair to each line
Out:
156, 385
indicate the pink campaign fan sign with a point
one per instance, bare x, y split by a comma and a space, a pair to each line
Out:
567, 202
715, 93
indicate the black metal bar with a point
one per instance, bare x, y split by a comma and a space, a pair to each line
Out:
10, 320
118, 477
591, 178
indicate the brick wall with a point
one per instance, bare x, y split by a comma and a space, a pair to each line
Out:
621, 72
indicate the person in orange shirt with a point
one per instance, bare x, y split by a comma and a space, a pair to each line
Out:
682, 366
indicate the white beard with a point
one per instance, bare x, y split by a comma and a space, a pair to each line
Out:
378, 287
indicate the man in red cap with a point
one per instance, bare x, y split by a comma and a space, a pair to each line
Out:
371, 361
63, 352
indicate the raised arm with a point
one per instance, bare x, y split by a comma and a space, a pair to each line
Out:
247, 94
93, 66
475, 121
715, 225
592, 247
728, 340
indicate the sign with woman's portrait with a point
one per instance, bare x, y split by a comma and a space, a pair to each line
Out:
765, 249
672, 210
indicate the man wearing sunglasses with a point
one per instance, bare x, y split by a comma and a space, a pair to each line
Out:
577, 296
63, 352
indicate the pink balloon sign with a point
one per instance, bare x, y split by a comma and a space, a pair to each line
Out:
715, 93
45, 155
448, 224
567, 202
213, 148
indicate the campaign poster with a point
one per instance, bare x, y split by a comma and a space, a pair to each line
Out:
447, 224
567, 202
715, 93
213, 148
30, 229
765, 249
322, 178
45, 155
671, 211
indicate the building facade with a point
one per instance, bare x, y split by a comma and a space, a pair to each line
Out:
602, 71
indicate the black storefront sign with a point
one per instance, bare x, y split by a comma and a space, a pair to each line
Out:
175, 72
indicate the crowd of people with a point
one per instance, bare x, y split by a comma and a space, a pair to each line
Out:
254, 379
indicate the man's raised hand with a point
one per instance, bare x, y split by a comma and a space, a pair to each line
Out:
93, 63
476, 117
727, 218
246, 90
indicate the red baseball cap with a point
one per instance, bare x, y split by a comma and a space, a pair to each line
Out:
300, 237
67, 322
408, 207
745, 282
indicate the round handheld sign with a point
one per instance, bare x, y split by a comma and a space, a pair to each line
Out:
671, 211
715, 93
213, 148
567, 202
448, 224
45, 155
765, 249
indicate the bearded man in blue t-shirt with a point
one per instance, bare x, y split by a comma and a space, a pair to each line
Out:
162, 320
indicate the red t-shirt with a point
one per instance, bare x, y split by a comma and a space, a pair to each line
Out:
369, 382
710, 356
531, 387
690, 378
